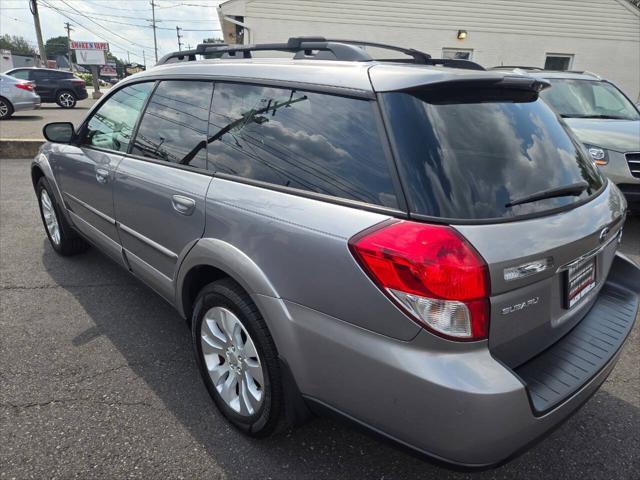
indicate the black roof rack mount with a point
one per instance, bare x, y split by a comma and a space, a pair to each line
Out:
318, 48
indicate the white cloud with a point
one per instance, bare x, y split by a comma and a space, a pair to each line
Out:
16, 19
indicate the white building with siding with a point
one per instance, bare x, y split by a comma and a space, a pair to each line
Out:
602, 36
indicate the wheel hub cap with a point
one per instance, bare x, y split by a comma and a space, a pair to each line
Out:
232, 361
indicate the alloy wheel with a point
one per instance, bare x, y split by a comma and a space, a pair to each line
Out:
232, 361
50, 218
66, 99
4, 109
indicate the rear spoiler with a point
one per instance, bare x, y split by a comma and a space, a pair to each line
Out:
509, 82
386, 79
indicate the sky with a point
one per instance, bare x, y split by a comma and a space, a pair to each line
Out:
124, 24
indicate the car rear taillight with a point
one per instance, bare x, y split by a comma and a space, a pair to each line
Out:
432, 273
25, 86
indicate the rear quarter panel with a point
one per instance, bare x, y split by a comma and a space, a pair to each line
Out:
300, 246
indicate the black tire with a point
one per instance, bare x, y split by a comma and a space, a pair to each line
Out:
70, 243
66, 99
6, 109
228, 294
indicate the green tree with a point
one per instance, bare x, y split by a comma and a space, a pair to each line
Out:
17, 45
112, 58
55, 46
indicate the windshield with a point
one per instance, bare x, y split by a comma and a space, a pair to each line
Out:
475, 154
588, 99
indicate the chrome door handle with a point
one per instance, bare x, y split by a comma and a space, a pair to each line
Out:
102, 175
183, 205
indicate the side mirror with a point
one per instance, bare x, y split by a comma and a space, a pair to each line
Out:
58, 132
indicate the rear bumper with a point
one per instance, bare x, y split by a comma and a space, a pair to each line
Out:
560, 371
451, 401
81, 93
29, 104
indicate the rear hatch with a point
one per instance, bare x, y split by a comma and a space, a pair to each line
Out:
491, 159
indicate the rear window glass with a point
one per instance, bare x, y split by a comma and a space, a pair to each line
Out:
309, 141
471, 154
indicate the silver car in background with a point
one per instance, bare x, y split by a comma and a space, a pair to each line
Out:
16, 95
602, 118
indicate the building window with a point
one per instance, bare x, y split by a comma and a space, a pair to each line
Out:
558, 61
457, 53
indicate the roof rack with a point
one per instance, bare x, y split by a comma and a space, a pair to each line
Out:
513, 67
318, 48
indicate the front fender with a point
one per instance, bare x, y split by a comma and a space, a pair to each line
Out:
41, 161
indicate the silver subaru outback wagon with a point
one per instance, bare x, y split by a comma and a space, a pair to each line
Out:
417, 245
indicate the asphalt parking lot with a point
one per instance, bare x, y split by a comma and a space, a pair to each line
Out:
97, 380
27, 124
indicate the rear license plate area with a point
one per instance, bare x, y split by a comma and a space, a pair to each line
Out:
580, 279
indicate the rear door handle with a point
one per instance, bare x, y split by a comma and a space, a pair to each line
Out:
183, 205
102, 175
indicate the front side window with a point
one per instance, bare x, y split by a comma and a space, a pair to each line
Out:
174, 125
309, 141
573, 98
483, 154
111, 126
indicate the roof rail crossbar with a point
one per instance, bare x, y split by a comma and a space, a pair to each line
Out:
418, 56
318, 48
456, 63
339, 51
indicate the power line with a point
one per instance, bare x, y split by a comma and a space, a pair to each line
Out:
119, 47
103, 27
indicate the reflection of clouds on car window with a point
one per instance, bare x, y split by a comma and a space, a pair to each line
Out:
321, 143
174, 126
468, 160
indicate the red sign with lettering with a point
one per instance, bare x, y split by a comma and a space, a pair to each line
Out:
75, 45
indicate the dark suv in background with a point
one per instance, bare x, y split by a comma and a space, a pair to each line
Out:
53, 86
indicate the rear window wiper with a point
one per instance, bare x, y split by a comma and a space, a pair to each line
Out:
574, 189
606, 117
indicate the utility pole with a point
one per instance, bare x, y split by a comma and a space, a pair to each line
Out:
68, 28
179, 37
144, 59
153, 24
33, 6
128, 57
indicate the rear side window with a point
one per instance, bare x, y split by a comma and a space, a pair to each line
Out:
174, 125
111, 126
309, 141
476, 154
41, 75
60, 75
21, 74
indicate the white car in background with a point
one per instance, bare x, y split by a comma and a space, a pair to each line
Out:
16, 95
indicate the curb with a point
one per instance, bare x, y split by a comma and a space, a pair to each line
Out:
19, 147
